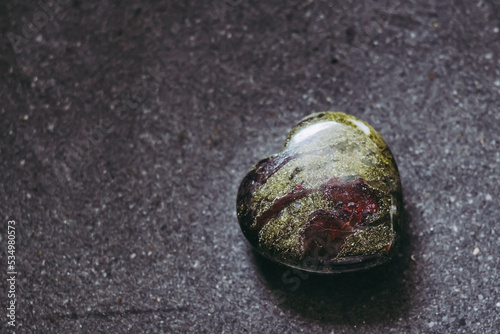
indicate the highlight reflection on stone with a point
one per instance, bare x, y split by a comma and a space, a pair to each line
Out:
330, 202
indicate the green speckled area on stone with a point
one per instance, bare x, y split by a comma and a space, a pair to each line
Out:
282, 235
367, 242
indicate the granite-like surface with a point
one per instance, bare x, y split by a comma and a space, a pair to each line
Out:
126, 211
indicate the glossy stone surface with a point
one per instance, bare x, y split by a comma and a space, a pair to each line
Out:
330, 202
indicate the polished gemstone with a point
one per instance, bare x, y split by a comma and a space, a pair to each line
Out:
330, 202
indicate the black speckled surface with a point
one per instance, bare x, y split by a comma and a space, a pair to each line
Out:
125, 205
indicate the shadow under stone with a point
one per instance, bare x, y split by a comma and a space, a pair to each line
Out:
376, 295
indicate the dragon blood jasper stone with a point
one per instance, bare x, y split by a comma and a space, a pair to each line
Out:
330, 202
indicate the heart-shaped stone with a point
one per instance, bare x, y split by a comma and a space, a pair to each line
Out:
330, 202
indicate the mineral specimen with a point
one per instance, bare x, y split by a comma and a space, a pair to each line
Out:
330, 202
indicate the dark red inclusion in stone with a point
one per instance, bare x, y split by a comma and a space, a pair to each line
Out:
326, 230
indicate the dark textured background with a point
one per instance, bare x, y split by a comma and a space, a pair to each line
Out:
132, 228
